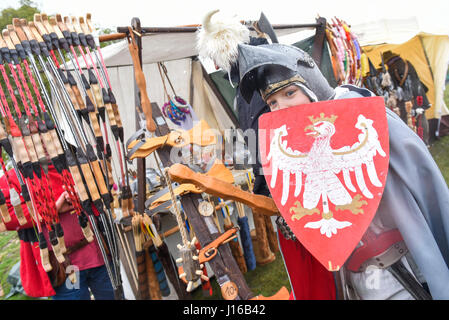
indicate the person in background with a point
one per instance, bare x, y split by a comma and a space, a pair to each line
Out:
83, 258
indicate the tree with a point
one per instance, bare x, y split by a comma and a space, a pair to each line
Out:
26, 11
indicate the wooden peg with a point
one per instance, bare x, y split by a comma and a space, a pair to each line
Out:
17, 204
5, 213
46, 23
39, 25
62, 26
83, 25
45, 259
26, 29
35, 32
68, 23
76, 25
89, 22
4, 209
7, 40
54, 25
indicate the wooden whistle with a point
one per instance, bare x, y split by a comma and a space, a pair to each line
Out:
222, 189
201, 134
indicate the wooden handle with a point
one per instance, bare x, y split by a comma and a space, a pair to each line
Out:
225, 190
90, 182
56, 141
111, 115
95, 124
62, 246
87, 232
35, 215
45, 260
58, 252
20, 215
18, 29
26, 30
125, 207
49, 144
78, 181
117, 118
72, 96
237, 251
5, 213
153, 282
30, 148
20, 149
36, 35
97, 95
7, 39
99, 177
78, 97
3, 134
38, 147
141, 275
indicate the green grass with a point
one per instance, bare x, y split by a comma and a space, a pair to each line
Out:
9, 256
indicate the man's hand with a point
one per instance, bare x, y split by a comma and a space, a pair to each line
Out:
63, 203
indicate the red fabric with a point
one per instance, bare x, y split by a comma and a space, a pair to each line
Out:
308, 278
35, 280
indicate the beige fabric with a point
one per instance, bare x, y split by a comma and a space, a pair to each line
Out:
437, 49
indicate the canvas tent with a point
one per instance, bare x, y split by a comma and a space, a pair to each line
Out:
428, 53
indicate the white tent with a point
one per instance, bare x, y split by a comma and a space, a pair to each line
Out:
407, 38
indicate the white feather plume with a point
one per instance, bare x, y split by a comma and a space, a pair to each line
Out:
219, 39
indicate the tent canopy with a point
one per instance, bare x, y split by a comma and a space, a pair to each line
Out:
429, 54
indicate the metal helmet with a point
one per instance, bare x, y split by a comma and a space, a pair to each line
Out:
270, 68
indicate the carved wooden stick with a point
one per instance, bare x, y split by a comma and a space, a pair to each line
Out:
141, 83
201, 134
225, 190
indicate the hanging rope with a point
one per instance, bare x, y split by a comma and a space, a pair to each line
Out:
176, 108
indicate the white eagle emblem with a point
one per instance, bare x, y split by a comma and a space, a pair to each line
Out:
320, 167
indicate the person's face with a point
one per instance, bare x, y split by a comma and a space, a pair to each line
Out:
287, 97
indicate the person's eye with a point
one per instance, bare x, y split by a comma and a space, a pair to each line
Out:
291, 92
272, 103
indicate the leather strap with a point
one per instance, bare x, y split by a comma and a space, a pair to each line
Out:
373, 246
80, 244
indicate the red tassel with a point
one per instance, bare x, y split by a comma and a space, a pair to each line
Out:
419, 100
206, 286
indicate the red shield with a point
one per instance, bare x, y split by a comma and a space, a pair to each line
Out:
326, 165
